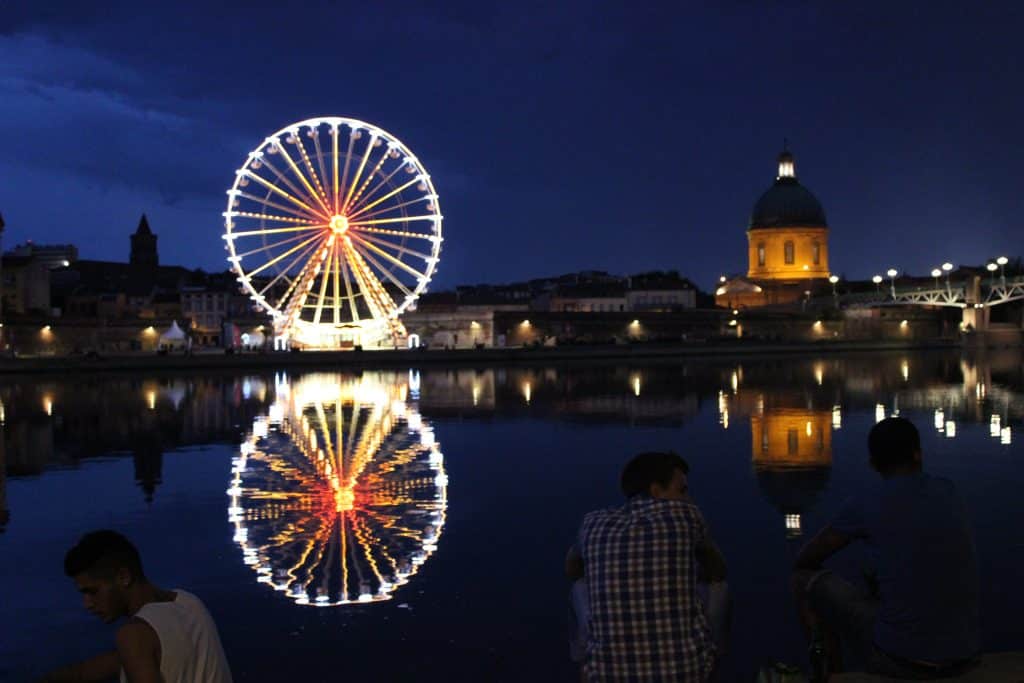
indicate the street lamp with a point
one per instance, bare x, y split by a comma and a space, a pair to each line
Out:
936, 273
991, 267
946, 268
1002, 261
892, 273
878, 282
835, 295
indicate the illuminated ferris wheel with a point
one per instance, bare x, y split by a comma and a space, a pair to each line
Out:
334, 229
338, 494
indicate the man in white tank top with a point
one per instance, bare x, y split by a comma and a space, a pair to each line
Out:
169, 636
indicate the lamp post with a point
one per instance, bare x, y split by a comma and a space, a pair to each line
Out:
936, 273
877, 279
892, 273
946, 268
1002, 261
835, 295
991, 267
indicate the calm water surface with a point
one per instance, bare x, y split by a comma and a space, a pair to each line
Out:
411, 525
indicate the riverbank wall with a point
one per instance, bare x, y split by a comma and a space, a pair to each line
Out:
149, 361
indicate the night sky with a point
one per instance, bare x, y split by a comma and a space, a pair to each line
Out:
560, 136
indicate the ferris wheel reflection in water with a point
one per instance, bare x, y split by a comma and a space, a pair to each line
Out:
338, 493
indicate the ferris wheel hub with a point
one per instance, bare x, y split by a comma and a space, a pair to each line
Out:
339, 224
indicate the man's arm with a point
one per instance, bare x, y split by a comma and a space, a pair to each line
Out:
711, 561
139, 649
573, 564
823, 546
99, 668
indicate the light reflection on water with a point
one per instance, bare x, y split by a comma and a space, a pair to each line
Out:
338, 493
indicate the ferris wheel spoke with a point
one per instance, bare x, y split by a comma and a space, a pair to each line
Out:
359, 171
318, 227
284, 271
275, 189
338, 435
325, 276
397, 247
283, 178
266, 217
387, 273
369, 176
264, 202
395, 207
336, 302
268, 247
398, 233
343, 263
393, 259
344, 175
312, 174
365, 543
292, 283
389, 195
298, 292
357, 206
401, 219
320, 160
377, 298
284, 255
301, 176
321, 416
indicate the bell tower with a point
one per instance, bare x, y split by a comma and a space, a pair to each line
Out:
143, 251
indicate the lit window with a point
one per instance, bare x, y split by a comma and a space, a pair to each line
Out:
816, 250
790, 256
760, 254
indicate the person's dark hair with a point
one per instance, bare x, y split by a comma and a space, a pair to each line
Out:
103, 553
647, 468
892, 444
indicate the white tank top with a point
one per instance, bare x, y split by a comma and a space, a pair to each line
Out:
190, 649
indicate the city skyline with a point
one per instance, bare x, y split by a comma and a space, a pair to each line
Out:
640, 137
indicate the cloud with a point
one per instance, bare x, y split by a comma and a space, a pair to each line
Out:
74, 112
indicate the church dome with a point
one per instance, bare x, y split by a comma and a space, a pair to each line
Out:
787, 203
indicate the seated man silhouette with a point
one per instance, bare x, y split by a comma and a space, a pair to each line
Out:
635, 601
167, 636
921, 618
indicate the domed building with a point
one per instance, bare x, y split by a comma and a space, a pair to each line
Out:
787, 240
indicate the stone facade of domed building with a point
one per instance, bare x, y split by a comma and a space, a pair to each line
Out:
787, 246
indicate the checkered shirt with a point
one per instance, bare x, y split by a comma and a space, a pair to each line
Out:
646, 622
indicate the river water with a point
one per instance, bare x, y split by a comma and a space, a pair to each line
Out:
411, 525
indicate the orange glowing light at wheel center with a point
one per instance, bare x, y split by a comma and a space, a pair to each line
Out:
339, 224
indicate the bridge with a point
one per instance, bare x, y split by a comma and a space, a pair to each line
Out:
975, 296
972, 293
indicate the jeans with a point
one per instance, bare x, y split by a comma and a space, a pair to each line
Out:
849, 611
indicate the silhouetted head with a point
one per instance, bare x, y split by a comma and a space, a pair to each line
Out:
895, 447
105, 567
658, 474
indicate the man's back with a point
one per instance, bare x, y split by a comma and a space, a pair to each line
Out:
190, 647
646, 622
927, 567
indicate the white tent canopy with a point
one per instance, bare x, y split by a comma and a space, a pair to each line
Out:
173, 336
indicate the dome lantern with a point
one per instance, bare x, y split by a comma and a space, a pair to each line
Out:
787, 168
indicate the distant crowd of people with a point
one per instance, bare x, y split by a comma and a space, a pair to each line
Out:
649, 598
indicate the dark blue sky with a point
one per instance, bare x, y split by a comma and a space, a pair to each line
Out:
560, 136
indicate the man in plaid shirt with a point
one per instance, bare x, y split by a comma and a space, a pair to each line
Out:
640, 563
